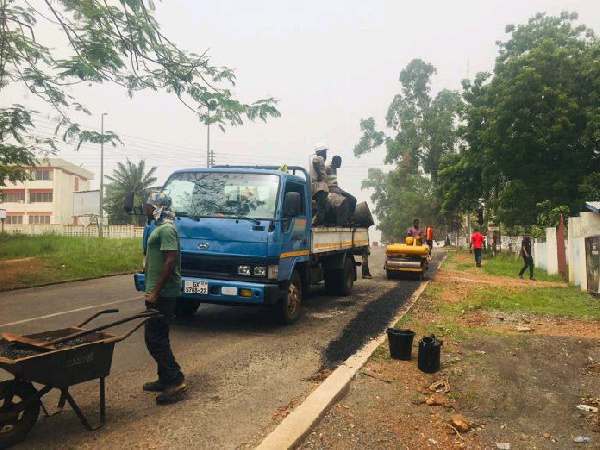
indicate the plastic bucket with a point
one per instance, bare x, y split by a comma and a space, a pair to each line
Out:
429, 354
400, 343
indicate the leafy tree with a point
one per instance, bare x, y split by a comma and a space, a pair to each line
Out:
127, 178
424, 130
533, 126
105, 42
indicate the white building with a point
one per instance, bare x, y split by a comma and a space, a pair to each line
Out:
48, 197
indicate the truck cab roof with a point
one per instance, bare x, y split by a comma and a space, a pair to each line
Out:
294, 172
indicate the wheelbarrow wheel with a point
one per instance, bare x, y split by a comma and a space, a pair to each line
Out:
14, 425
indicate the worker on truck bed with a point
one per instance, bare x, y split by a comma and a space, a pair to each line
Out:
318, 176
332, 184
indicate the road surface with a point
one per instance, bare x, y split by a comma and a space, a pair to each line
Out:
245, 372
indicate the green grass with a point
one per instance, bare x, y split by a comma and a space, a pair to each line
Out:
557, 301
506, 265
65, 258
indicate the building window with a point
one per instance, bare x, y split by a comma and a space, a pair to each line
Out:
14, 220
42, 174
39, 220
40, 197
13, 197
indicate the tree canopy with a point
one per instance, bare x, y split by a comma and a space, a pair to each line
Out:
105, 42
424, 130
532, 128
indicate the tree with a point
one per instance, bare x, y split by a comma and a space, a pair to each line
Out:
424, 131
127, 178
106, 42
533, 126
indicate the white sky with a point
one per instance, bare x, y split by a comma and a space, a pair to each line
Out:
330, 63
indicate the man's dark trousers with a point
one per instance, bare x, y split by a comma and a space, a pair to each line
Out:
477, 257
528, 263
156, 335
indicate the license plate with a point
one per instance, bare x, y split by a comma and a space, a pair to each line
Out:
196, 287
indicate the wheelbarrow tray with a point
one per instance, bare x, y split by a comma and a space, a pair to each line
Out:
65, 366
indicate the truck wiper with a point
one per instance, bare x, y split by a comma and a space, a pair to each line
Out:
251, 219
184, 214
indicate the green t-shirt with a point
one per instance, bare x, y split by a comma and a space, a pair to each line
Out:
163, 238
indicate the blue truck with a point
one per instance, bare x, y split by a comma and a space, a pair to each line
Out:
247, 238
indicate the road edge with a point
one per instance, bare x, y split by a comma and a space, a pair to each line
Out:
298, 424
72, 280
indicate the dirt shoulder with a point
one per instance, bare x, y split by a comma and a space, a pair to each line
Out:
515, 375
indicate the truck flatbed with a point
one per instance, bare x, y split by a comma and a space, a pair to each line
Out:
334, 239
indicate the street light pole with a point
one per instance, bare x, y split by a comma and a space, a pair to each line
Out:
208, 143
101, 224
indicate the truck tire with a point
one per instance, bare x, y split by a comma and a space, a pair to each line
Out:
185, 307
346, 282
288, 308
339, 282
12, 393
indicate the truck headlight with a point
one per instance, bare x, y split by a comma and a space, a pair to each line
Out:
260, 271
244, 270
273, 272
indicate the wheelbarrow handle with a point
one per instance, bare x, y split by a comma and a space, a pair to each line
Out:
144, 315
133, 330
89, 319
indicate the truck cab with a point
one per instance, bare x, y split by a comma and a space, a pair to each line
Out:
245, 238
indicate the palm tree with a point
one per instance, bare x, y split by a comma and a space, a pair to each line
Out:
127, 178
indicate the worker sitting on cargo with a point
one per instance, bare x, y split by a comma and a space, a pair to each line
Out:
319, 186
332, 183
415, 231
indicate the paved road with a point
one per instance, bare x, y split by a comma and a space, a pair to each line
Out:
244, 371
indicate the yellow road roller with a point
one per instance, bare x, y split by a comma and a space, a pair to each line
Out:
409, 257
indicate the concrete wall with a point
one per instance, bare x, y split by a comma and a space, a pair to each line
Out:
540, 254
587, 224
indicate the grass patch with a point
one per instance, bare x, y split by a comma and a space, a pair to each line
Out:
506, 265
58, 258
558, 301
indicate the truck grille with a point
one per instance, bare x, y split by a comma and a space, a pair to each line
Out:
218, 267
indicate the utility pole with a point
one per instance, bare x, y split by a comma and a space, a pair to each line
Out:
208, 142
101, 224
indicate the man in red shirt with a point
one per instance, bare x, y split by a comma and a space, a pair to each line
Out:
477, 243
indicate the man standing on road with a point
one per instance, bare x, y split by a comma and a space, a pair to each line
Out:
477, 244
429, 237
319, 183
163, 286
526, 253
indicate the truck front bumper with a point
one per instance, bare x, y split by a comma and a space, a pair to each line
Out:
227, 292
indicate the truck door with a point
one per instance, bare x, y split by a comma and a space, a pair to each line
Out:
295, 243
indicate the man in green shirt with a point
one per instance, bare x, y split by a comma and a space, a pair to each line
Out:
163, 286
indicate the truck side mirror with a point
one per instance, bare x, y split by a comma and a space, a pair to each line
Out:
292, 204
128, 205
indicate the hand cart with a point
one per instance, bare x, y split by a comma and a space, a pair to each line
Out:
73, 355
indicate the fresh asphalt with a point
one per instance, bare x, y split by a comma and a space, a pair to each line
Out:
244, 370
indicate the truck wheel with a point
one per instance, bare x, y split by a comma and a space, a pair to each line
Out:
185, 307
288, 309
331, 281
14, 427
346, 282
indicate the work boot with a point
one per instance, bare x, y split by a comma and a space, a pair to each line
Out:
367, 276
172, 393
520, 276
154, 386
533, 279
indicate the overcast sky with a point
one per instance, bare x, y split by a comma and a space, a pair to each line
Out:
330, 63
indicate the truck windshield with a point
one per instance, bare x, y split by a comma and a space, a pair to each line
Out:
214, 194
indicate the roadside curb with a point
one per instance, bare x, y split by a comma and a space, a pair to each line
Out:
73, 280
297, 425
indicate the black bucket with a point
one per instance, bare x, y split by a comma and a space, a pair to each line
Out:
400, 343
429, 354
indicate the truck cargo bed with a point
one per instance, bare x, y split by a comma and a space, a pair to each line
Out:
330, 239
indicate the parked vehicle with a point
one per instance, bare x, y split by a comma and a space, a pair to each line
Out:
247, 239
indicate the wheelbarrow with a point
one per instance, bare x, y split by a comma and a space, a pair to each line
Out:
61, 359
